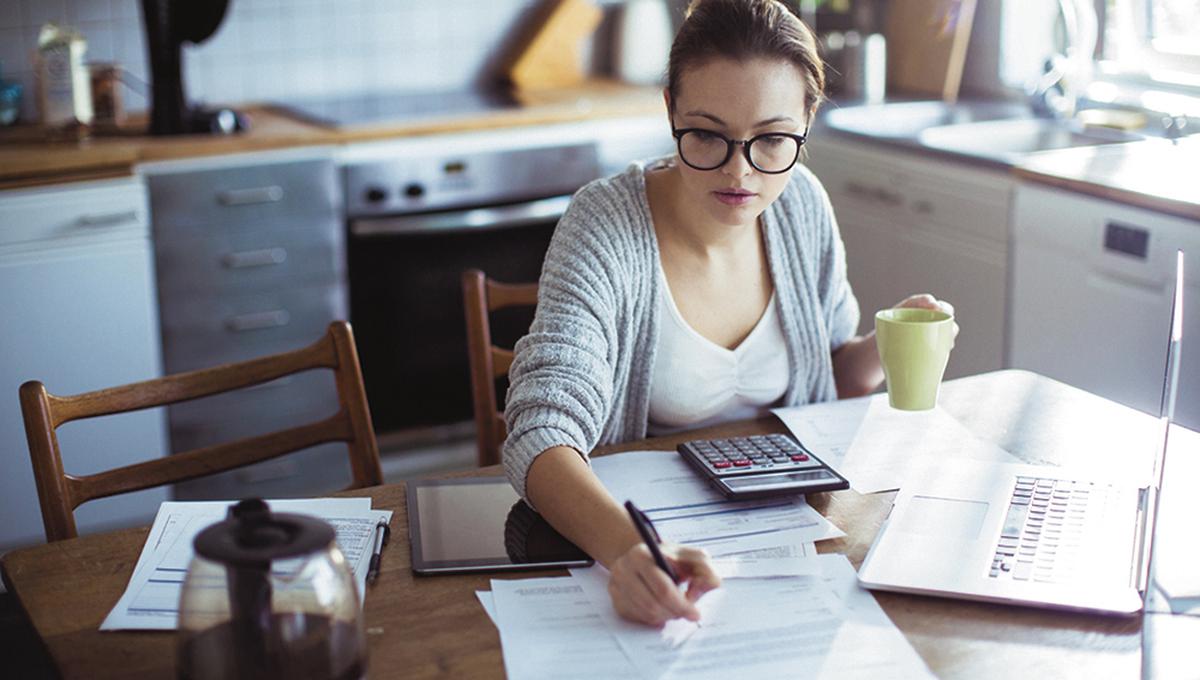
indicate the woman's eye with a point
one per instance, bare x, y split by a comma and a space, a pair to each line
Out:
706, 136
772, 141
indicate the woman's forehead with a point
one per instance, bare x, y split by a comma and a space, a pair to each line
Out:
742, 92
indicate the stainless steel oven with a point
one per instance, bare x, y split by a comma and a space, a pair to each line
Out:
415, 224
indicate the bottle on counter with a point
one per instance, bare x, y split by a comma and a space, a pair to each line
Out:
63, 81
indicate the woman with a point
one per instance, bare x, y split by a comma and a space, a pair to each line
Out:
706, 287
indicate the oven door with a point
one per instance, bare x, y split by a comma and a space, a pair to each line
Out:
406, 301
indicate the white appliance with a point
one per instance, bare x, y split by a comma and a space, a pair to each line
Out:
1091, 283
77, 271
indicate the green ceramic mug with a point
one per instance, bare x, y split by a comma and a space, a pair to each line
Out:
914, 346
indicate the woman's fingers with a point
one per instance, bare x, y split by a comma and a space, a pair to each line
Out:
927, 301
694, 565
643, 592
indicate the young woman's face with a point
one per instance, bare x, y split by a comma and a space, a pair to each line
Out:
738, 99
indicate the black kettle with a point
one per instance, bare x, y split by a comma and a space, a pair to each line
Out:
269, 595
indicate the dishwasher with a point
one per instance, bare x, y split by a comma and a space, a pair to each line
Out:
1091, 297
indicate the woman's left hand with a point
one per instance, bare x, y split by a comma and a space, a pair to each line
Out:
927, 301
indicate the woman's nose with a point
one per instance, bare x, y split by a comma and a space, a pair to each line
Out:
738, 165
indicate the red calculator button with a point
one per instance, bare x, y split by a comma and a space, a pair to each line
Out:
800, 456
721, 464
742, 462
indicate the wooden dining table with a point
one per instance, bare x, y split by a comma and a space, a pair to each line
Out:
434, 627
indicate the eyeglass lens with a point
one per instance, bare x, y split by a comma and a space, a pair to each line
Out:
768, 153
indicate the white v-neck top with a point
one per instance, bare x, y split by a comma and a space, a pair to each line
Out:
697, 383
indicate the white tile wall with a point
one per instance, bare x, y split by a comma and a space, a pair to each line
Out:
281, 49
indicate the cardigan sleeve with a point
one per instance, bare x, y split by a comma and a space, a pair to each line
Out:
560, 382
838, 304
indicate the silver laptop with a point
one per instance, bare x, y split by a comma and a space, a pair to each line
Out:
1027, 534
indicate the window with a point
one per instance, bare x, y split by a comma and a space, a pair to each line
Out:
1157, 40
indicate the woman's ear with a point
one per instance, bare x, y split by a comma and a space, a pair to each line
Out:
667, 101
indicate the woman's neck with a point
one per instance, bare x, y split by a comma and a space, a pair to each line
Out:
682, 225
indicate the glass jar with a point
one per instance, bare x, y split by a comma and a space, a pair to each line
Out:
269, 595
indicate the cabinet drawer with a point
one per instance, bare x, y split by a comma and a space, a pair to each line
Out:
212, 330
303, 254
87, 209
212, 201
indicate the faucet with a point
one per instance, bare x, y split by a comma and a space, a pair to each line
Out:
1055, 93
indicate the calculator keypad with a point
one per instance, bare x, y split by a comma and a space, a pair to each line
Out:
758, 453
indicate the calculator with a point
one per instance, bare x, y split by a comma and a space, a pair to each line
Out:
760, 466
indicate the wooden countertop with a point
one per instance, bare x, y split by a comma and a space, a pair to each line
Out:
1154, 174
27, 158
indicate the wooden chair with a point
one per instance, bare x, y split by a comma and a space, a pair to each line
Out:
60, 493
482, 296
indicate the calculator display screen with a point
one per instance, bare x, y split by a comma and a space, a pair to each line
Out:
779, 481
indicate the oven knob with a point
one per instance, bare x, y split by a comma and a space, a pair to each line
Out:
376, 195
414, 190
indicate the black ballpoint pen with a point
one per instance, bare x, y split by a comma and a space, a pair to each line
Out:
650, 537
382, 532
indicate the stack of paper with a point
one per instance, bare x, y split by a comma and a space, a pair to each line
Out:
685, 509
151, 600
875, 446
796, 620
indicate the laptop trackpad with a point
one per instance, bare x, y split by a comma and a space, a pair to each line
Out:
950, 518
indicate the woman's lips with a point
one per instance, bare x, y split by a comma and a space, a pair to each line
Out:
734, 197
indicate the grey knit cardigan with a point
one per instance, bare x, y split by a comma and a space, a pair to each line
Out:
581, 377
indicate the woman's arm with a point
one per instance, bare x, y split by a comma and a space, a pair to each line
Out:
856, 367
569, 495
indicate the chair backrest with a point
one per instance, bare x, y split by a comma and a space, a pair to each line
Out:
481, 296
60, 493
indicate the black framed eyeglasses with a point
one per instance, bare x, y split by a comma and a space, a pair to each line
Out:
771, 153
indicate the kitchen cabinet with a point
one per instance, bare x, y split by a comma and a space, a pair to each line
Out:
1091, 296
914, 224
79, 310
250, 253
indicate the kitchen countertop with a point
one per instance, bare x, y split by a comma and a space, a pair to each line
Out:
1153, 174
27, 159
1147, 174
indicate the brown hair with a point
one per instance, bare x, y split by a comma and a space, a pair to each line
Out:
746, 29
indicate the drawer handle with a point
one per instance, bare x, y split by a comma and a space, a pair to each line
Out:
888, 198
108, 219
254, 258
253, 196
258, 321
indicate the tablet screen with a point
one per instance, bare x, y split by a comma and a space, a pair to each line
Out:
480, 524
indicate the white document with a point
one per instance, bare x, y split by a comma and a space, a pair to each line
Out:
875, 446
749, 628
685, 509
151, 600
489, 603
868, 644
815, 626
764, 567
549, 629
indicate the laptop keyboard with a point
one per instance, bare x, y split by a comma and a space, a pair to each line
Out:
1044, 532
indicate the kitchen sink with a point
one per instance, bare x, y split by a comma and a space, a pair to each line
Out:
1000, 132
906, 120
1006, 138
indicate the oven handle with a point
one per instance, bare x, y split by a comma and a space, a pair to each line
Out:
497, 217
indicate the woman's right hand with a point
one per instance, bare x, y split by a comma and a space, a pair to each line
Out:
644, 593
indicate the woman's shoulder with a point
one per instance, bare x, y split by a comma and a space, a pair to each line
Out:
805, 187
605, 228
617, 196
